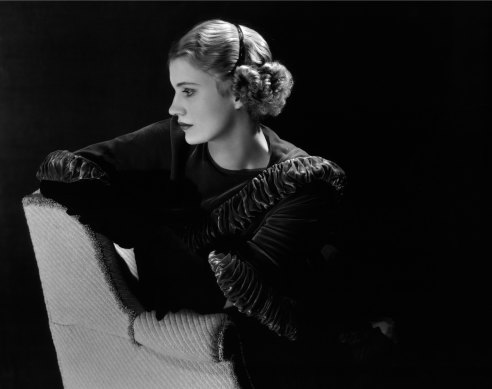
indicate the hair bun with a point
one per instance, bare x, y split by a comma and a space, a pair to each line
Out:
263, 90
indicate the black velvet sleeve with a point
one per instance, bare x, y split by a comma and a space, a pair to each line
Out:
95, 200
266, 274
129, 155
120, 187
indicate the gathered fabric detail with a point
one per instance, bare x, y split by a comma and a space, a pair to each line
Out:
259, 195
228, 224
243, 287
65, 166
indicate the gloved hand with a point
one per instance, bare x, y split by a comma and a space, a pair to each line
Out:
65, 166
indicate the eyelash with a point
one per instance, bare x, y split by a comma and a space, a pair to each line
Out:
188, 92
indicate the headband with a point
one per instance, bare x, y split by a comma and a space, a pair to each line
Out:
240, 58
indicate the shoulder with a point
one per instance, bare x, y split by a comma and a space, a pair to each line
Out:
292, 168
150, 132
164, 136
148, 147
309, 175
281, 148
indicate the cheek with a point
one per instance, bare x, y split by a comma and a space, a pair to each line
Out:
213, 110
221, 109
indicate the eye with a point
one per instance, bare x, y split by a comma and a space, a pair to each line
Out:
188, 92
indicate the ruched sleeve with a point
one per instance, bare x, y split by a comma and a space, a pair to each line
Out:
243, 286
262, 239
266, 275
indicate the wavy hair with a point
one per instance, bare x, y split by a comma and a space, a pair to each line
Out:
263, 85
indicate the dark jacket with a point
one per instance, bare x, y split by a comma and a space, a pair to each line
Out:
257, 244
262, 238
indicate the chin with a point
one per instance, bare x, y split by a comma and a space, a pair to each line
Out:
192, 140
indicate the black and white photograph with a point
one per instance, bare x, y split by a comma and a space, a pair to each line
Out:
245, 194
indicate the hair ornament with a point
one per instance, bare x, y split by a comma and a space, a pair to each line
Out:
240, 59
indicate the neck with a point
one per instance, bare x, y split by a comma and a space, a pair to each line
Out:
243, 147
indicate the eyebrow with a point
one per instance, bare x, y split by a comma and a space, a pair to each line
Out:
186, 83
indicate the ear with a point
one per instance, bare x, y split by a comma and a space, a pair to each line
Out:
238, 104
235, 100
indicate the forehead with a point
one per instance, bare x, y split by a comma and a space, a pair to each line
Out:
181, 70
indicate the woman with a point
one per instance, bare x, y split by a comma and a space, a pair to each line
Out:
221, 212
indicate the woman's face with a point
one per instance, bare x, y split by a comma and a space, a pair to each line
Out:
198, 103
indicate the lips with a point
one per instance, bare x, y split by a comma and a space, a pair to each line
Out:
184, 126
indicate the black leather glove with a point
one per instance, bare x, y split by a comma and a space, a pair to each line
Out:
125, 210
67, 167
87, 191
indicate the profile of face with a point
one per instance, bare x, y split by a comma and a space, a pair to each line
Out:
203, 113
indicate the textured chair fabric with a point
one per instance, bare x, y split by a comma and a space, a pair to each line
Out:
102, 335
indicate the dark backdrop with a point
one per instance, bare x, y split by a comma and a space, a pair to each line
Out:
398, 94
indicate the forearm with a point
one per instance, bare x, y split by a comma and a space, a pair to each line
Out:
88, 192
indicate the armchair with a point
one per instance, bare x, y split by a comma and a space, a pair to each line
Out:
102, 335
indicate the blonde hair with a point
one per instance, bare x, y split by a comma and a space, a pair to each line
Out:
261, 84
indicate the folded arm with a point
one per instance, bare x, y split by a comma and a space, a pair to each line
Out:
86, 190
267, 275
115, 186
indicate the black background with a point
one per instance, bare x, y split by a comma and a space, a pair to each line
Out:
396, 93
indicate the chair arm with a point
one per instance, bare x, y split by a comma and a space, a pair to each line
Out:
78, 271
185, 335
83, 285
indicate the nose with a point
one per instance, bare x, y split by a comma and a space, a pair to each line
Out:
176, 108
